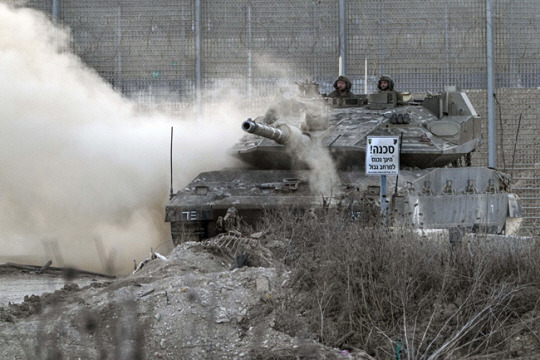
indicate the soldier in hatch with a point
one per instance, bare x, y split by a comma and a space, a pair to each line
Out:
385, 83
343, 88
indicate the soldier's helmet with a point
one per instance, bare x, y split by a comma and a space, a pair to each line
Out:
388, 79
345, 79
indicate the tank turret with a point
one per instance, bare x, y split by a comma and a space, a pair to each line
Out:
436, 131
301, 140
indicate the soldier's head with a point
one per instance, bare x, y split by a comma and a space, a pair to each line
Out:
342, 83
385, 83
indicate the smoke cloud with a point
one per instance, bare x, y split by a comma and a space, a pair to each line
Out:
307, 113
80, 169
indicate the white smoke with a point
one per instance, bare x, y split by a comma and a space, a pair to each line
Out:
78, 165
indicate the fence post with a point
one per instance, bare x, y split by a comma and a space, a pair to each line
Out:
118, 78
492, 144
342, 59
249, 77
198, 71
55, 11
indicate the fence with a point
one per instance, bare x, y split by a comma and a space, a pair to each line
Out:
185, 47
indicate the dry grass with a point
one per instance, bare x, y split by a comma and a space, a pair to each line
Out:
394, 294
354, 284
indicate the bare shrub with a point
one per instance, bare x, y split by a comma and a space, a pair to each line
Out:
356, 284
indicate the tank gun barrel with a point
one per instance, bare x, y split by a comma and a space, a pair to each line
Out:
267, 131
282, 134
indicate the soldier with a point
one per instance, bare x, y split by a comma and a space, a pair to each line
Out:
385, 83
343, 88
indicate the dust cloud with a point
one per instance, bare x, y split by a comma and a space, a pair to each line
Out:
291, 107
323, 177
83, 176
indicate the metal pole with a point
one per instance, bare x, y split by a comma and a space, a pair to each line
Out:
249, 79
170, 157
118, 73
342, 60
447, 45
492, 145
383, 198
515, 74
198, 71
56, 11
365, 76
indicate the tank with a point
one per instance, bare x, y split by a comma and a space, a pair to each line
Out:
308, 151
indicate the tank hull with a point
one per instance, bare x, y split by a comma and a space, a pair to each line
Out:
462, 199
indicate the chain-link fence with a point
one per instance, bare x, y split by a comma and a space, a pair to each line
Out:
424, 45
182, 48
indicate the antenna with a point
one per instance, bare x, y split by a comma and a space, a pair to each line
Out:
365, 75
172, 192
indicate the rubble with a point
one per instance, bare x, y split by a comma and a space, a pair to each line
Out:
189, 304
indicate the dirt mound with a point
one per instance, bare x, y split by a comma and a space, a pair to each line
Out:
212, 299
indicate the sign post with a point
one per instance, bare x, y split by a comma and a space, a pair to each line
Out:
382, 158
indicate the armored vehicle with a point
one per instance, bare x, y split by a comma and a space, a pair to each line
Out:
309, 151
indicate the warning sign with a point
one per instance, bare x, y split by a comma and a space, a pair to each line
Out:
382, 155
